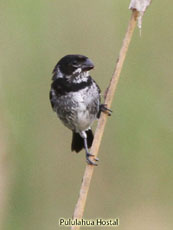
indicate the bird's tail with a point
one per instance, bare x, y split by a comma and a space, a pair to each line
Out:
78, 142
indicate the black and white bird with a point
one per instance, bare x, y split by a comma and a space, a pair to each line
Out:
75, 97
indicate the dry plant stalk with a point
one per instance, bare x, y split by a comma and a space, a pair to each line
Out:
79, 209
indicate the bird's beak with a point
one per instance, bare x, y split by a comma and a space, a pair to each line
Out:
87, 65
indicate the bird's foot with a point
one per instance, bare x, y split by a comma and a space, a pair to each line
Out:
89, 161
104, 109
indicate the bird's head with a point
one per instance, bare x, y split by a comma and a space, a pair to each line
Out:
72, 66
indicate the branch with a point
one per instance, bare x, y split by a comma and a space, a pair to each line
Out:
140, 6
79, 209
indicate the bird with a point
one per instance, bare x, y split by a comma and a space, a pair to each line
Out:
76, 98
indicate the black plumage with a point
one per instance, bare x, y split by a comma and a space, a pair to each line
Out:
75, 97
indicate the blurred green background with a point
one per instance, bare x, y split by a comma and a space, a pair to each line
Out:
40, 177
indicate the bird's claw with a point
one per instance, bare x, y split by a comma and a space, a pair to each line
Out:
89, 161
104, 109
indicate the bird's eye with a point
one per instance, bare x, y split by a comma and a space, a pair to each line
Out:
75, 63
